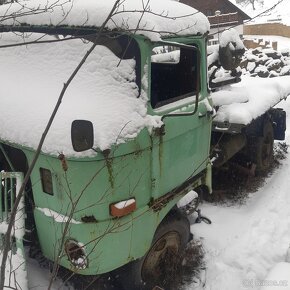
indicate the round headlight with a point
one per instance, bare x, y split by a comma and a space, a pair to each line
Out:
76, 254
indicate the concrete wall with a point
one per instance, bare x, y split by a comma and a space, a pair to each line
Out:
267, 29
250, 43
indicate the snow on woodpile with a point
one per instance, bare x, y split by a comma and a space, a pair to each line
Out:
104, 92
259, 90
266, 62
153, 19
258, 62
249, 99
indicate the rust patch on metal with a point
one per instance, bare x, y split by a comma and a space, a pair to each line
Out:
159, 131
64, 165
138, 153
160, 154
109, 164
89, 219
192, 183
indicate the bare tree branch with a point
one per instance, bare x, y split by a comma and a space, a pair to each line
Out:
7, 236
257, 16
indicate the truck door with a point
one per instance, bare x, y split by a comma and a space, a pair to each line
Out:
180, 149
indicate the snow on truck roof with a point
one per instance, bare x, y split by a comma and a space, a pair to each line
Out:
106, 90
151, 18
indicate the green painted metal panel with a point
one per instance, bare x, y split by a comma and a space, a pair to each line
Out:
92, 185
108, 244
183, 148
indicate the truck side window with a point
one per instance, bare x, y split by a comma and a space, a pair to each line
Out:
173, 74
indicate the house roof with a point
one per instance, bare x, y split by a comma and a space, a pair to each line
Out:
156, 20
204, 5
243, 14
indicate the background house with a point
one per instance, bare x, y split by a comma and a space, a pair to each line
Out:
222, 14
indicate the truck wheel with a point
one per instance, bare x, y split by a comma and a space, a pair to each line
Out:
164, 255
262, 153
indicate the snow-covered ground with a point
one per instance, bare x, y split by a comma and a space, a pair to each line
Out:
245, 241
38, 278
283, 42
246, 245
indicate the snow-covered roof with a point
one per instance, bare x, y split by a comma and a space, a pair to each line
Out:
242, 12
152, 18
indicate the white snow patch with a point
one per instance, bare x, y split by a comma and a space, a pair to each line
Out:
251, 66
230, 95
169, 57
124, 203
39, 278
285, 70
288, 255
188, 198
251, 57
283, 42
15, 271
279, 277
103, 92
261, 68
249, 99
231, 36
221, 76
213, 57
57, 216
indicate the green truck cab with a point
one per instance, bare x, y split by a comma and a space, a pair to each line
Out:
98, 209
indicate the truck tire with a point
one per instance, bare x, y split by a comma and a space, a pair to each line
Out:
159, 263
262, 149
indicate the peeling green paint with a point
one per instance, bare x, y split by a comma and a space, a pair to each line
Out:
109, 165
